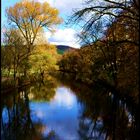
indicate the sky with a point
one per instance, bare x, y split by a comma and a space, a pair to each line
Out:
64, 35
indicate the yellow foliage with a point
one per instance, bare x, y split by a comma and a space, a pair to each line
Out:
43, 58
31, 9
32, 16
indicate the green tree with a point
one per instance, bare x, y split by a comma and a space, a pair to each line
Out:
43, 59
14, 51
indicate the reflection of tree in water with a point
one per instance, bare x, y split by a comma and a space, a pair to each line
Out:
19, 124
103, 115
43, 91
16, 120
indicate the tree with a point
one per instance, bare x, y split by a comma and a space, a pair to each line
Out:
30, 17
14, 51
107, 22
119, 41
105, 10
6, 63
43, 58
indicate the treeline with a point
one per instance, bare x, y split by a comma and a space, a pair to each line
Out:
112, 58
14, 62
22, 52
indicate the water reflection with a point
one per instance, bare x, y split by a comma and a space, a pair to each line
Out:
103, 115
65, 110
40, 111
64, 98
16, 120
59, 115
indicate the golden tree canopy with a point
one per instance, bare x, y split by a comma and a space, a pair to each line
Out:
31, 16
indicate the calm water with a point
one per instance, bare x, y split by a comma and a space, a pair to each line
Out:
60, 111
59, 115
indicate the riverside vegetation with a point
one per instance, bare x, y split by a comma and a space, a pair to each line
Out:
105, 68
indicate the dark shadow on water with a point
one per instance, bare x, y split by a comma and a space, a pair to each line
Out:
104, 116
16, 120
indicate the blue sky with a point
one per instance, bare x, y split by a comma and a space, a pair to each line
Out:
4, 5
64, 35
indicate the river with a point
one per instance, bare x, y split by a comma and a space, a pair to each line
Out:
62, 110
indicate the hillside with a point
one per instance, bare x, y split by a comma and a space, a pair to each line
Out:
62, 48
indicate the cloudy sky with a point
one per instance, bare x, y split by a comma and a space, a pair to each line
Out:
64, 35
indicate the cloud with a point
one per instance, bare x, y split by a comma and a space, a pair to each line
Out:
65, 36
64, 6
64, 98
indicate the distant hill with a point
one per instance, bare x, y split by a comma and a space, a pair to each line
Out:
62, 48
